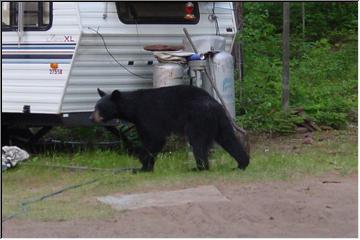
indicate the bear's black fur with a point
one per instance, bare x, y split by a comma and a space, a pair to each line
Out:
157, 113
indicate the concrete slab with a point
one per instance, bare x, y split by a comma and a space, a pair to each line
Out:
169, 198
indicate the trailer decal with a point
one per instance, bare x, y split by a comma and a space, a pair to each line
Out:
36, 56
37, 53
55, 71
68, 39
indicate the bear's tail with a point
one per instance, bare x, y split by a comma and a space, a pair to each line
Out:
227, 139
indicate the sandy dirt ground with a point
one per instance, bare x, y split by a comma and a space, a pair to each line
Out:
313, 207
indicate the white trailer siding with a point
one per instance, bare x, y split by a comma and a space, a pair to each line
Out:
93, 67
26, 79
86, 65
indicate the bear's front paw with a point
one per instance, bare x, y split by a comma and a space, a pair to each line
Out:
136, 170
241, 168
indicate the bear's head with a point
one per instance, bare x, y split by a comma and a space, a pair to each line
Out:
105, 108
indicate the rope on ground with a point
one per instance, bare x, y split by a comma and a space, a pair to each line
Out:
81, 168
24, 204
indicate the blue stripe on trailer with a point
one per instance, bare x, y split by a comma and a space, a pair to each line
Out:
38, 46
36, 61
33, 56
16, 44
31, 47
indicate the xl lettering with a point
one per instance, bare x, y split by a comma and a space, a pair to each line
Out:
68, 39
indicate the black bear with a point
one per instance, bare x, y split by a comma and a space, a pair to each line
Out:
156, 113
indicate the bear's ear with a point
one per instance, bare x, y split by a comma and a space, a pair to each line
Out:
101, 93
115, 96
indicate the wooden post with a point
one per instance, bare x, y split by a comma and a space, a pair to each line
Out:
286, 56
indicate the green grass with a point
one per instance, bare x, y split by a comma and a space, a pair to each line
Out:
284, 158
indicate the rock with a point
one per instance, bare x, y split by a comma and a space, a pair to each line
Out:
326, 128
308, 140
301, 130
164, 198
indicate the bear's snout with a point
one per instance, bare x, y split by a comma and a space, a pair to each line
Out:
95, 117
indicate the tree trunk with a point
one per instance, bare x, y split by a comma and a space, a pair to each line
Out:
303, 20
286, 56
238, 51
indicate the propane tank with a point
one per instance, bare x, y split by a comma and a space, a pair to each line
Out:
222, 71
168, 74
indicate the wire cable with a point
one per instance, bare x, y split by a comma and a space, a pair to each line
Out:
112, 56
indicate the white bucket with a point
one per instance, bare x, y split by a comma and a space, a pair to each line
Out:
168, 74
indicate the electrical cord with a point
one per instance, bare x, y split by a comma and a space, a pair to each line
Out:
112, 56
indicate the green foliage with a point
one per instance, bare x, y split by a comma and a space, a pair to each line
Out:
323, 69
325, 83
85, 134
332, 20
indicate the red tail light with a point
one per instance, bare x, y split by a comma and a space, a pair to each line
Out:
189, 9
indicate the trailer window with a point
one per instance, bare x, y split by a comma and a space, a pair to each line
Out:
156, 13
37, 16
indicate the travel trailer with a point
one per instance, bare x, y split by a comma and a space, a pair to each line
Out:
56, 54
